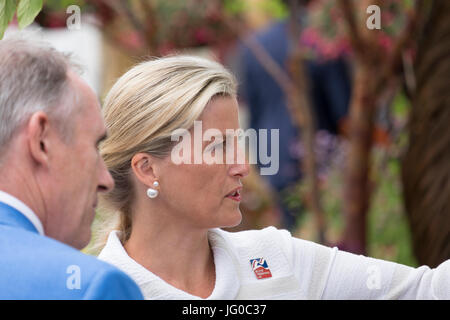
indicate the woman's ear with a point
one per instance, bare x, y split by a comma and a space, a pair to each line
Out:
144, 167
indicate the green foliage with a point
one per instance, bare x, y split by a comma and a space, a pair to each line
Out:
62, 5
389, 235
388, 232
235, 7
400, 106
7, 10
273, 8
27, 10
276, 8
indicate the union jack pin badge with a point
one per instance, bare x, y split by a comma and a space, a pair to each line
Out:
260, 268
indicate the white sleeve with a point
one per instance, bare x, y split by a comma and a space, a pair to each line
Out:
333, 274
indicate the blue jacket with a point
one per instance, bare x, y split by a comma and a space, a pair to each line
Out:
37, 267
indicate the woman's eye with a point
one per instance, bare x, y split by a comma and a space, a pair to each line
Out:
214, 146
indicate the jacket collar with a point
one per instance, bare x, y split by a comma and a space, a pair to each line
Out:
23, 208
12, 217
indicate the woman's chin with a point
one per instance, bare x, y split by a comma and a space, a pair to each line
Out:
233, 219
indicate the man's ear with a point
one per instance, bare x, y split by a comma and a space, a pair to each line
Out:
143, 166
38, 129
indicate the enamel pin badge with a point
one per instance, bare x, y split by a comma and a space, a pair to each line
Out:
260, 268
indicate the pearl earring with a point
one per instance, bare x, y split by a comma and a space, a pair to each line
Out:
153, 193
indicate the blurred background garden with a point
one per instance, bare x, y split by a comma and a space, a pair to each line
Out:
358, 89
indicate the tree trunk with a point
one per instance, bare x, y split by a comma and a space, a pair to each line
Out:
357, 184
426, 164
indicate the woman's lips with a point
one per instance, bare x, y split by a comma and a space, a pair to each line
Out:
236, 196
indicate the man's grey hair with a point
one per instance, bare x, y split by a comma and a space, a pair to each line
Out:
33, 77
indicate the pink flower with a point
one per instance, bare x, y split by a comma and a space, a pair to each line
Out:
131, 40
385, 42
202, 36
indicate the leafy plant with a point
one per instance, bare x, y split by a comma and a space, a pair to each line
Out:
27, 10
388, 232
326, 36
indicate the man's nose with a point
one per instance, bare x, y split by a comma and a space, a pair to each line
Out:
106, 181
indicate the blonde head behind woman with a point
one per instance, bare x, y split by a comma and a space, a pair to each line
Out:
142, 110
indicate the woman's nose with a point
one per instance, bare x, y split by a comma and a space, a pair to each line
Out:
240, 166
244, 170
240, 169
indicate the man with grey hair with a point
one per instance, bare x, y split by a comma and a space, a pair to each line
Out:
50, 174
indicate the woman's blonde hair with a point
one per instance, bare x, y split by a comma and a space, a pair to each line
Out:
144, 107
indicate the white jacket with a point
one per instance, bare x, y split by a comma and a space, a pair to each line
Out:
293, 269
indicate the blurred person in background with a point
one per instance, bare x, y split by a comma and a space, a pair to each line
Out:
330, 91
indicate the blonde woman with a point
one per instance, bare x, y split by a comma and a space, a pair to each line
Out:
169, 238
